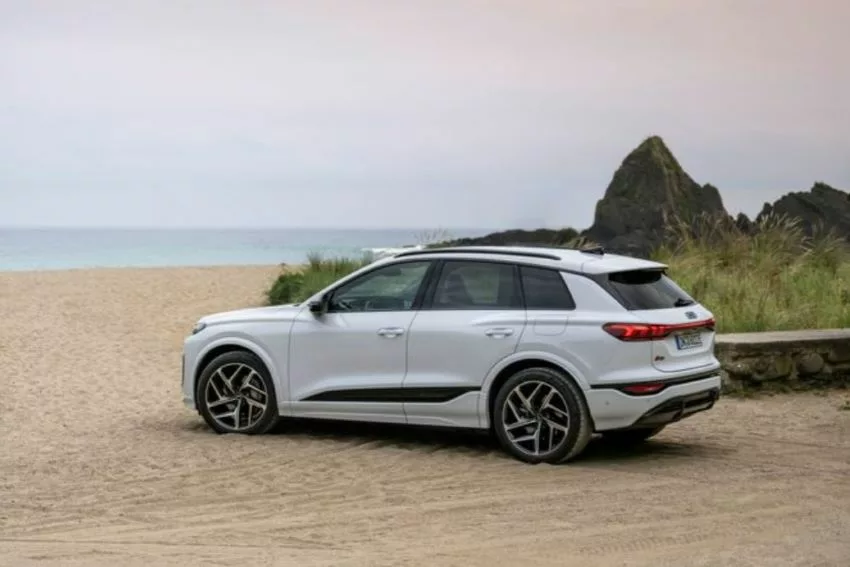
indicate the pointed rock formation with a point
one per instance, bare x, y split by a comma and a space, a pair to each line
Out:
648, 192
822, 208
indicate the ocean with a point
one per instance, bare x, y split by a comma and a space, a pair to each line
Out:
57, 249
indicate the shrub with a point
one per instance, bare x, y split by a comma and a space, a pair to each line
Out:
295, 284
776, 278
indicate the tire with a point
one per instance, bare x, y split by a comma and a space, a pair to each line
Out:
535, 384
254, 379
628, 437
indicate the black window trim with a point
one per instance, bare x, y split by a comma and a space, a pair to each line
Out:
417, 300
425, 295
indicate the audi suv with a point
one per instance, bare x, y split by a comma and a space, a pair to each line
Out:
545, 347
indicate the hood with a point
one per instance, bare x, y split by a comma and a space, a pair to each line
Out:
270, 313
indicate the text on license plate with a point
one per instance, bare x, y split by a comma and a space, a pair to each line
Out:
685, 341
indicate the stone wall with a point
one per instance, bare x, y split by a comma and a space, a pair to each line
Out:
784, 360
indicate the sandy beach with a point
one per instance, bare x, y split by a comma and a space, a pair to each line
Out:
101, 464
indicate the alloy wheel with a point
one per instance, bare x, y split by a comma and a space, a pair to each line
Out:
236, 396
535, 418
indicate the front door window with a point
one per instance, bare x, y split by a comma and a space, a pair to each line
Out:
390, 288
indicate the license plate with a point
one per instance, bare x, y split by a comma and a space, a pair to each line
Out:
687, 341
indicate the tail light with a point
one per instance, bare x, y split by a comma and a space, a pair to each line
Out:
652, 331
644, 389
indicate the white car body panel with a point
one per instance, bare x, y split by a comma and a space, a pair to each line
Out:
442, 367
360, 358
457, 349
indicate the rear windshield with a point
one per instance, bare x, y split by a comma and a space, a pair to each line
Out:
648, 289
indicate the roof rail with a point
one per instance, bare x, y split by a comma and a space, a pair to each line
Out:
594, 250
473, 250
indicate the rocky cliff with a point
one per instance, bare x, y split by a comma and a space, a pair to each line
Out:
823, 208
650, 191
518, 237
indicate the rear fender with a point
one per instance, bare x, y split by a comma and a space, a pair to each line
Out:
486, 387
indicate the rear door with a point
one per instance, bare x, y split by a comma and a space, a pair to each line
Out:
654, 298
472, 318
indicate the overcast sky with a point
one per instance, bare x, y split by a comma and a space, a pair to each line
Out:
394, 113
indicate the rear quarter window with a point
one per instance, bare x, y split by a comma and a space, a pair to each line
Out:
545, 289
640, 290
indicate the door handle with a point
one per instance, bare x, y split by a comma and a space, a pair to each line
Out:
390, 332
499, 333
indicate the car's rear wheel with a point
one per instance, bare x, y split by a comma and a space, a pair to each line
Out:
236, 394
540, 416
628, 437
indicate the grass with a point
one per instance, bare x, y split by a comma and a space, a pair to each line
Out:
776, 279
294, 285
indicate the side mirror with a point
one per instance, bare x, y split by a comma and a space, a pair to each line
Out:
318, 307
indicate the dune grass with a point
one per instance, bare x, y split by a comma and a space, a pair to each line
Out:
295, 284
775, 279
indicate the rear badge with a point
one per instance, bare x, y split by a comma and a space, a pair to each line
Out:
690, 315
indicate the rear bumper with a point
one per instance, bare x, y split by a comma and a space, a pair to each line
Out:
678, 408
613, 409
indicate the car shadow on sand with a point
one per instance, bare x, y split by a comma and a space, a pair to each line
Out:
598, 452
484, 444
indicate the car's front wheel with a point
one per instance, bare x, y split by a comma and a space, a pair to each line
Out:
540, 416
236, 394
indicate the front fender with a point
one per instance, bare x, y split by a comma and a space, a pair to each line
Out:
241, 341
566, 365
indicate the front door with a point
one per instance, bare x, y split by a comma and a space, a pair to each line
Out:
349, 363
473, 320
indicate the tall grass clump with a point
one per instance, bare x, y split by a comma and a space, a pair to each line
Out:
295, 284
775, 277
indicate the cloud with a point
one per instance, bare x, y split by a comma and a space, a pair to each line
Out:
432, 113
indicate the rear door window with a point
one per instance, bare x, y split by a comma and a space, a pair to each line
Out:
477, 285
640, 290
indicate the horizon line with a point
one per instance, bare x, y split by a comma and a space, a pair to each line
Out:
246, 228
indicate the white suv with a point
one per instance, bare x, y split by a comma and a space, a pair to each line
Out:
545, 346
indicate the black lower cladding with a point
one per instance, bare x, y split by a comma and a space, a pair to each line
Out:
667, 382
679, 408
435, 395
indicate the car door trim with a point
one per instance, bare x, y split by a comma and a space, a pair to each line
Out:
432, 395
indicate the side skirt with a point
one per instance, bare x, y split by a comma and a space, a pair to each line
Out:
452, 407
435, 395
